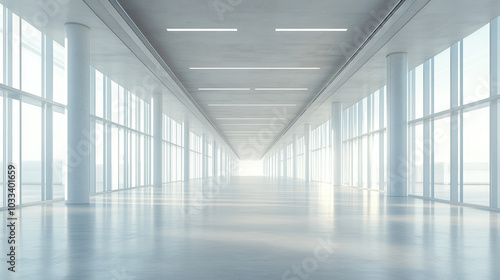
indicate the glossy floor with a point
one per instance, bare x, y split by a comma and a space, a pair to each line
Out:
254, 228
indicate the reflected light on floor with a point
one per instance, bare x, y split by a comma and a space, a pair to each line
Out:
250, 168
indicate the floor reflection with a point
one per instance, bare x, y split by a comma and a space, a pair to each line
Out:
255, 228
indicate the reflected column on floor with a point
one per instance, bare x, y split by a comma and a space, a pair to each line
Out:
82, 251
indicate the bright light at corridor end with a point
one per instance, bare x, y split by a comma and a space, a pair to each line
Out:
250, 168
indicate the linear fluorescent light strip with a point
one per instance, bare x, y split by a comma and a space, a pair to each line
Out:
254, 68
240, 132
221, 89
250, 139
252, 105
202, 29
238, 124
251, 118
281, 89
246, 135
311, 29
257, 89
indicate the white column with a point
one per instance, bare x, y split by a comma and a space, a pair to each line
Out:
397, 83
337, 143
157, 138
186, 151
495, 115
307, 132
78, 71
49, 122
455, 157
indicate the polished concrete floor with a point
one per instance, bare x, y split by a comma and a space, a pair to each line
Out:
254, 228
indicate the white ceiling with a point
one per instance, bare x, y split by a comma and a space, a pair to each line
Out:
256, 44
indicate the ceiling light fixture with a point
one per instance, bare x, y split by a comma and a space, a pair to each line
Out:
311, 29
281, 89
251, 118
239, 132
238, 124
202, 29
254, 68
252, 105
221, 89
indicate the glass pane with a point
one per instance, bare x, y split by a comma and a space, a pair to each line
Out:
121, 105
59, 78
31, 153
364, 165
114, 102
60, 154
442, 81
375, 141
173, 163
376, 111
476, 156
16, 55
31, 59
442, 158
99, 94
476, 65
355, 168
133, 160
114, 158
417, 160
13, 155
419, 92
142, 151
121, 153
99, 157
364, 120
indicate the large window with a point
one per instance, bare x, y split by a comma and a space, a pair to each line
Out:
195, 156
363, 129
453, 162
320, 159
476, 156
121, 150
33, 120
173, 150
